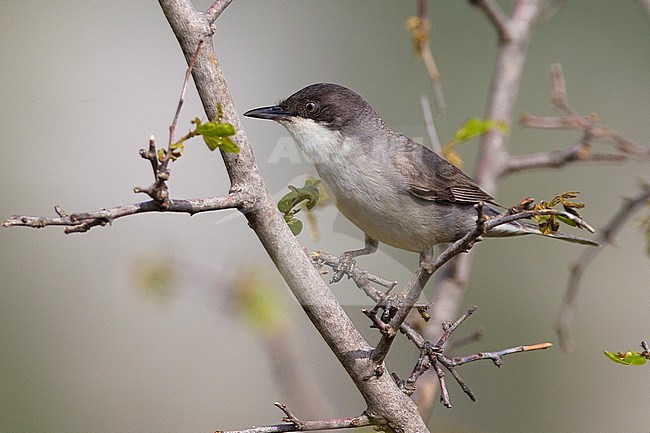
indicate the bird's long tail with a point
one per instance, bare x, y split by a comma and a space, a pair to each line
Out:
522, 227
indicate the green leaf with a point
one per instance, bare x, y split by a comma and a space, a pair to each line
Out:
288, 204
161, 153
551, 223
295, 225
308, 193
223, 143
567, 221
627, 358
475, 126
176, 150
285, 203
211, 129
216, 135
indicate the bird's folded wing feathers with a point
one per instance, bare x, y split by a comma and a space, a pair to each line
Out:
431, 177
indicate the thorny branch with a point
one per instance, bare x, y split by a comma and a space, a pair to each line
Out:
605, 237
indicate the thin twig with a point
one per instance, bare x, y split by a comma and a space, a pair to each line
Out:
499, 19
362, 280
571, 119
294, 424
433, 356
419, 28
215, 9
158, 190
429, 125
569, 304
181, 99
84, 221
452, 327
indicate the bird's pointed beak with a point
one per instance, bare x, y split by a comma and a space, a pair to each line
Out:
274, 112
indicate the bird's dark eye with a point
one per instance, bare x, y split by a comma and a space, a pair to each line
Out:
311, 107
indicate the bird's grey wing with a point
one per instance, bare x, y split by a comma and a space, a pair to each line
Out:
431, 177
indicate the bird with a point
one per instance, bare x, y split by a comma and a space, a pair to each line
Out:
395, 190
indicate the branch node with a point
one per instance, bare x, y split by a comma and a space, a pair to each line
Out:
289, 417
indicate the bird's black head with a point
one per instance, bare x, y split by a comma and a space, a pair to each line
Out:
330, 105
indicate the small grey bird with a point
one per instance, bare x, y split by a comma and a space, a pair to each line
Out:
394, 189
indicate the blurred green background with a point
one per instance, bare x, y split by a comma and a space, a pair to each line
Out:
84, 348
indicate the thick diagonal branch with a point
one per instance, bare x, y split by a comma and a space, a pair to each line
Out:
387, 405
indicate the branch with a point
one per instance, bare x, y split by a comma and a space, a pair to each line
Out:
430, 125
569, 304
387, 405
433, 355
362, 279
158, 190
514, 35
294, 424
411, 293
571, 119
495, 14
419, 26
84, 221
215, 9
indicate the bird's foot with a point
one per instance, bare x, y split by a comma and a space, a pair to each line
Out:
345, 265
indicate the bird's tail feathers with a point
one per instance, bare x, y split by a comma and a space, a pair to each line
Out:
521, 227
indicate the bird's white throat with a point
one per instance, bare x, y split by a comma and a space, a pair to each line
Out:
318, 142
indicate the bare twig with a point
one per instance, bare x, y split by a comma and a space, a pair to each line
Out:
181, 99
215, 9
433, 355
158, 190
499, 19
84, 221
569, 304
294, 424
362, 279
419, 28
430, 125
571, 119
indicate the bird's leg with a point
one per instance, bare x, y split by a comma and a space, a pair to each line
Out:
346, 261
426, 260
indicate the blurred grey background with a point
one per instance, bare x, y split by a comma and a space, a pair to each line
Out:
84, 348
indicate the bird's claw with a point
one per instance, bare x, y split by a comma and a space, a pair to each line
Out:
345, 265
